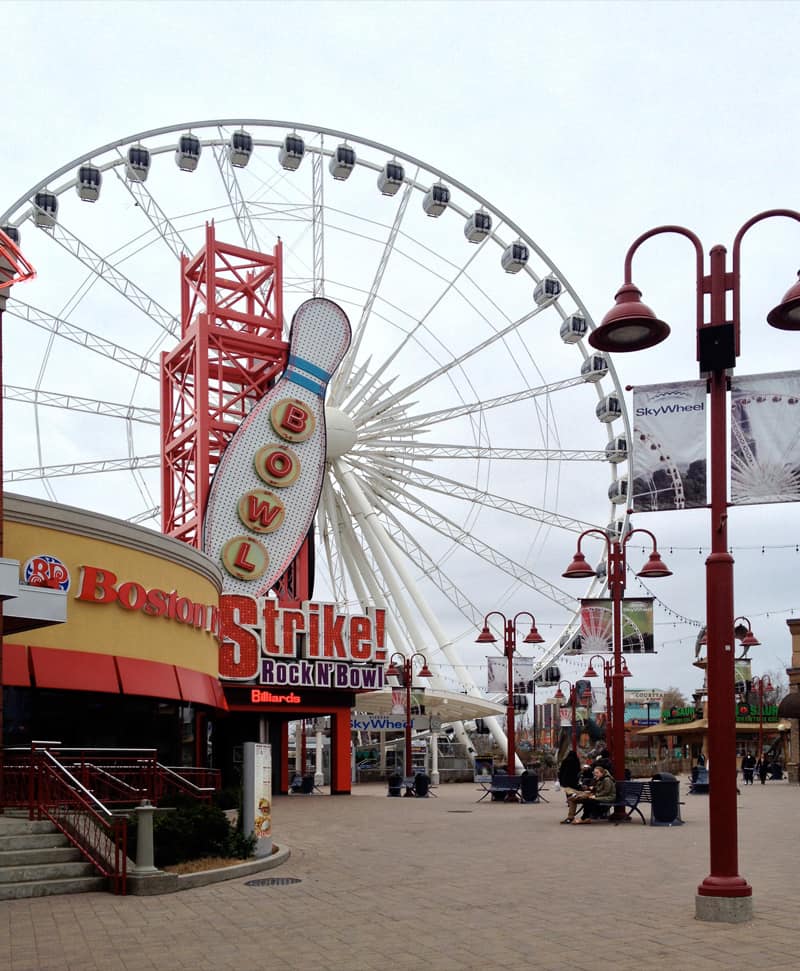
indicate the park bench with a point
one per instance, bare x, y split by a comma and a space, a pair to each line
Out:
629, 795
502, 788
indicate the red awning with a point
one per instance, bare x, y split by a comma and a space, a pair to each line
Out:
197, 687
15, 666
149, 678
74, 670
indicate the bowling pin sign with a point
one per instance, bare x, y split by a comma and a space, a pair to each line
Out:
266, 489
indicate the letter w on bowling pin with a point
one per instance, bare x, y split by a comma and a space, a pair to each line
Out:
290, 417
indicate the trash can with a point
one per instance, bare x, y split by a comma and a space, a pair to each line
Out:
395, 782
665, 805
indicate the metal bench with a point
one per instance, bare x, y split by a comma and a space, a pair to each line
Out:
629, 795
502, 788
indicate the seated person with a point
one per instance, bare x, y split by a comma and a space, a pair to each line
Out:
604, 790
296, 785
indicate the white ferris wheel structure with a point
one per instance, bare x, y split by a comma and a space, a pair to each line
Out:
473, 433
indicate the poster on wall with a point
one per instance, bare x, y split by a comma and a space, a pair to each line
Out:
765, 438
668, 451
597, 626
257, 795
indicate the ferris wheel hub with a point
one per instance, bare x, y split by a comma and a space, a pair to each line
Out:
341, 432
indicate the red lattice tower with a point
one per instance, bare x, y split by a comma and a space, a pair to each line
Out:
229, 354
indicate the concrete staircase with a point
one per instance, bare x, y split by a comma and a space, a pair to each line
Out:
36, 861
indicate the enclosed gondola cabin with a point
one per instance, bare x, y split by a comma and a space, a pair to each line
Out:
594, 368
547, 289
478, 226
573, 329
614, 529
390, 178
436, 200
609, 409
515, 257
618, 491
617, 449
12, 232
90, 178
187, 154
292, 151
138, 167
240, 148
342, 162
45, 209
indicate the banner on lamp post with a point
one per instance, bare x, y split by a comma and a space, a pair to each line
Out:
765, 438
497, 675
668, 451
597, 626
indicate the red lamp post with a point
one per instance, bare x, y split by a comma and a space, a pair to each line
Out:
608, 670
617, 567
559, 696
631, 326
509, 646
761, 685
405, 674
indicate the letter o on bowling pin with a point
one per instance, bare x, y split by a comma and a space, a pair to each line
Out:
277, 465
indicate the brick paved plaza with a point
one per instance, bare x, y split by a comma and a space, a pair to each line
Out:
445, 884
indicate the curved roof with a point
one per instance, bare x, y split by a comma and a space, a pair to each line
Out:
449, 706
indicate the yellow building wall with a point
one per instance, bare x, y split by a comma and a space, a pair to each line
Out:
110, 628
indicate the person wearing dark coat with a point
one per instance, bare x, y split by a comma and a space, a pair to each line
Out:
569, 773
748, 765
761, 767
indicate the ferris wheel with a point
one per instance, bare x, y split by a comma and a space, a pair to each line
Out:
472, 434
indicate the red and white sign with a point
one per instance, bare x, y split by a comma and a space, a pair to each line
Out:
267, 486
252, 628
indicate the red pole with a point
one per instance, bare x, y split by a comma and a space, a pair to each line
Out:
407, 677
574, 720
510, 726
724, 879
616, 581
761, 718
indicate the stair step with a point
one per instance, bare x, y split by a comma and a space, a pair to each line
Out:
45, 871
20, 825
23, 841
39, 854
46, 888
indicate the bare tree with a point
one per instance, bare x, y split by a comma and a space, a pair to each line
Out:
673, 698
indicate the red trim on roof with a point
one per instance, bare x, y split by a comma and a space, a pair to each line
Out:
150, 678
74, 670
197, 687
16, 673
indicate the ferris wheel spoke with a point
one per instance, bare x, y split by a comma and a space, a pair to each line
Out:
450, 487
93, 406
441, 524
144, 517
83, 468
340, 384
399, 579
236, 199
318, 221
429, 451
153, 212
477, 407
455, 362
84, 338
330, 529
112, 275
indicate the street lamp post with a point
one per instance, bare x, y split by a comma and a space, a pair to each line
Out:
559, 695
761, 685
509, 646
632, 326
617, 567
608, 669
405, 674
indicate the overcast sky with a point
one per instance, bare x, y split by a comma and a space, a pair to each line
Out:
587, 123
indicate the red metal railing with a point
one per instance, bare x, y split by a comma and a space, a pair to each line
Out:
74, 789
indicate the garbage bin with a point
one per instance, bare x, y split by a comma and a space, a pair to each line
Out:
665, 805
395, 782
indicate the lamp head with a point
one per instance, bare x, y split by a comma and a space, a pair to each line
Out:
786, 316
559, 694
579, 568
533, 637
590, 672
750, 640
655, 567
626, 671
485, 636
425, 671
630, 325
393, 671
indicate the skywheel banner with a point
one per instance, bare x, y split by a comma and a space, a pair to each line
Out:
668, 452
765, 438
